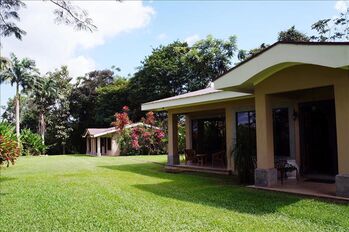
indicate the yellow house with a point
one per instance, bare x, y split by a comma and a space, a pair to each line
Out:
293, 98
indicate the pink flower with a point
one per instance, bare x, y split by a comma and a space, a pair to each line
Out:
125, 109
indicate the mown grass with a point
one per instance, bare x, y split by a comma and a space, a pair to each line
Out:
80, 193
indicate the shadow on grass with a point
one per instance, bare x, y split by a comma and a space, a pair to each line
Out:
209, 190
5, 178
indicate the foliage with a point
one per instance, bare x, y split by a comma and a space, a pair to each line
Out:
292, 35
9, 147
177, 68
332, 29
181, 138
65, 190
83, 104
9, 12
117, 93
243, 54
144, 139
44, 96
59, 124
65, 13
245, 154
32, 143
21, 73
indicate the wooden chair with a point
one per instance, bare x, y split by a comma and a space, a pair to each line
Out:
218, 157
190, 156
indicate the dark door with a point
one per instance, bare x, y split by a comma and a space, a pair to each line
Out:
318, 138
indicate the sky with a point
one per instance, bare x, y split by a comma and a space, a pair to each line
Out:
129, 30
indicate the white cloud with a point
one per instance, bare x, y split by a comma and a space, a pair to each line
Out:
162, 36
192, 39
341, 6
53, 45
80, 65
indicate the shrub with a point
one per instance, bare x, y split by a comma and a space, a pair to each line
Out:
32, 143
9, 147
245, 155
145, 139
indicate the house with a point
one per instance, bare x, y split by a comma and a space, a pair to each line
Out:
293, 101
103, 141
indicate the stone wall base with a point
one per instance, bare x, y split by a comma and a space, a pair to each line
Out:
342, 185
265, 177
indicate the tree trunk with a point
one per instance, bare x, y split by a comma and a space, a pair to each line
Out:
42, 126
17, 112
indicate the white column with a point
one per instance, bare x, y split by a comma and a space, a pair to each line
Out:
87, 148
98, 146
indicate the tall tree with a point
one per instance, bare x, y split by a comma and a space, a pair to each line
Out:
22, 74
83, 103
59, 123
111, 99
177, 68
44, 96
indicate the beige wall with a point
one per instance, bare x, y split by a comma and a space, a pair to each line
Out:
300, 78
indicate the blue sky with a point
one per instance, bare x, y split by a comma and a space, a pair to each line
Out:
126, 36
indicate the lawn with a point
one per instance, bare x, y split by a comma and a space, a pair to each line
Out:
75, 193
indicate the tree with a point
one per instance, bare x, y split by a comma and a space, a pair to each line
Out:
83, 103
177, 68
292, 35
110, 99
332, 29
59, 123
22, 74
8, 11
44, 95
65, 13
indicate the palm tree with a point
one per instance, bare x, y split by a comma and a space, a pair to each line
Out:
22, 74
44, 95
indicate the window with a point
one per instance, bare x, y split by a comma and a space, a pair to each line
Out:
208, 134
246, 128
281, 132
109, 143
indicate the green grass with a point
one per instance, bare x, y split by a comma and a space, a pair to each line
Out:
79, 193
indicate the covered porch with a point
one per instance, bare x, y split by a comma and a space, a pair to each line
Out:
293, 103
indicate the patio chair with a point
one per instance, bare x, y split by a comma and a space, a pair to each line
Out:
190, 156
285, 166
218, 157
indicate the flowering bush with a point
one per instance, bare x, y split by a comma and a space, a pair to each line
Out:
144, 139
9, 147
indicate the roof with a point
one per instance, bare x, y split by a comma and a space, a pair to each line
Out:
202, 96
98, 132
239, 81
244, 76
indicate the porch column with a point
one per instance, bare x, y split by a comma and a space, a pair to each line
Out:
342, 116
188, 133
229, 132
265, 174
87, 147
173, 157
98, 146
